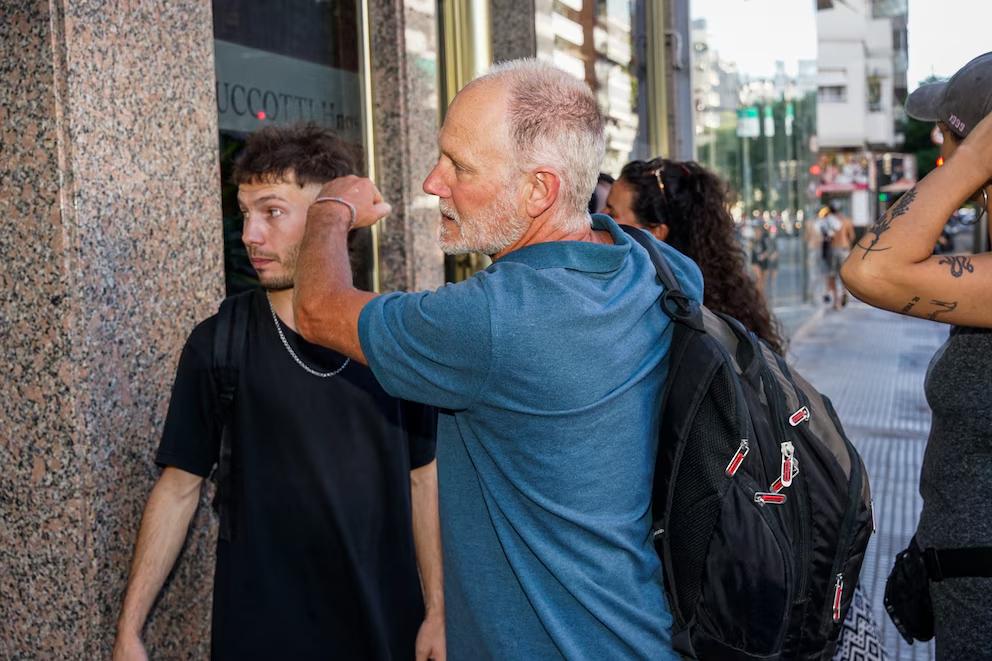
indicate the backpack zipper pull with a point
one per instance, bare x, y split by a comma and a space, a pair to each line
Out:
777, 484
735, 463
838, 594
788, 450
768, 498
799, 417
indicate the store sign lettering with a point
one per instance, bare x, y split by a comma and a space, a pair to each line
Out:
256, 88
282, 107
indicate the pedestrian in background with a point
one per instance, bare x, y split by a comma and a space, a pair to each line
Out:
893, 267
764, 258
836, 233
684, 205
600, 193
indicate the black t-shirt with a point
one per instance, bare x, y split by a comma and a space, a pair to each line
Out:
321, 564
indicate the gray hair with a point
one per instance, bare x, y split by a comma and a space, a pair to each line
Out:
554, 121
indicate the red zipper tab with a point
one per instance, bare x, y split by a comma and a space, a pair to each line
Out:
768, 498
777, 484
788, 450
838, 594
735, 463
799, 417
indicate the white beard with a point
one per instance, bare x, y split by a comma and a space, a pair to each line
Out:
488, 231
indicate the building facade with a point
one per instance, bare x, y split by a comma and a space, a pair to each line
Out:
861, 81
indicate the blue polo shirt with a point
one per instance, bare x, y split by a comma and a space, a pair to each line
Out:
548, 366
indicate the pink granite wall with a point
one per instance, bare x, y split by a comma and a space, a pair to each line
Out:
111, 250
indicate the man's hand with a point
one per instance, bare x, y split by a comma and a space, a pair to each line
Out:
359, 191
430, 638
128, 647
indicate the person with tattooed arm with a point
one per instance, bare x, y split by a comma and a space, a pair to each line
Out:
893, 267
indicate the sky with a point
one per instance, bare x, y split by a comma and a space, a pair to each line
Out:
946, 34
943, 34
755, 33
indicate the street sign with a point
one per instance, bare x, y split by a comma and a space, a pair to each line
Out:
748, 122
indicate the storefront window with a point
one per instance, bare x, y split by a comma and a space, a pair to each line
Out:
283, 62
754, 99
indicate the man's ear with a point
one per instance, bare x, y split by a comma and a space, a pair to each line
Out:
542, 191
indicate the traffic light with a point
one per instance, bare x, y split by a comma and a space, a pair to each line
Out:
883, 197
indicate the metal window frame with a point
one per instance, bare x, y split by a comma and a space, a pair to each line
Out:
368, 122
465, 28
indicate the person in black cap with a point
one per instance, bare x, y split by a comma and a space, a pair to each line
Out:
893, 267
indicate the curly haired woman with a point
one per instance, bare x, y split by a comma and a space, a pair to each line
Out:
684, 205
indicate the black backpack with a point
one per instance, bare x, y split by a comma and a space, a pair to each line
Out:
756, 567
230, 337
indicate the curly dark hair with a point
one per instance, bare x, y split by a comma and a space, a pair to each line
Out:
691, 201
308, 153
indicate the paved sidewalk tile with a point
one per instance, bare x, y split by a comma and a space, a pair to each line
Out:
872, 364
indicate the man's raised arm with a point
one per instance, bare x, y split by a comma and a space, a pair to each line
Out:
326, 305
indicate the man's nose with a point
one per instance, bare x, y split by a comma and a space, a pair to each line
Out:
252, 232
434, 184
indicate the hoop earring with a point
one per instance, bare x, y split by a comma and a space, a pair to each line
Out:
985, 208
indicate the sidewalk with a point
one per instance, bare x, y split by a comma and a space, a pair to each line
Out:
793, 318
872, 365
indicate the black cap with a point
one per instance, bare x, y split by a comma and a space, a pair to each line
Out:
960, 102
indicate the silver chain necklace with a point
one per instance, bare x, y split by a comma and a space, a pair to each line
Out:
285, 343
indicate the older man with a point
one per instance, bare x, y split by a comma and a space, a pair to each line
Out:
549, 365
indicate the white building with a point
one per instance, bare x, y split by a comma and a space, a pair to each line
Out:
861, 82
856, 107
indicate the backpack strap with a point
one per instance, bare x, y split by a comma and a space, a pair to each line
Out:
230, 335
674, 302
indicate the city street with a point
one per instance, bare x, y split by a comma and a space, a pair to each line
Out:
872, 365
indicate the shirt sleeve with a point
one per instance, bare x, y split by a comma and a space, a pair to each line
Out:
191, 438
430, 347
420, 424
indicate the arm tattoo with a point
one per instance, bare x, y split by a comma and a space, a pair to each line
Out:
909, 306
945, 306
885, 222
959, 264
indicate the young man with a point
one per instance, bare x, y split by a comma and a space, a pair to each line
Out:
547, 366
323, 556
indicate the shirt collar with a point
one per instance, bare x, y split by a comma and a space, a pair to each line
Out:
576, 255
